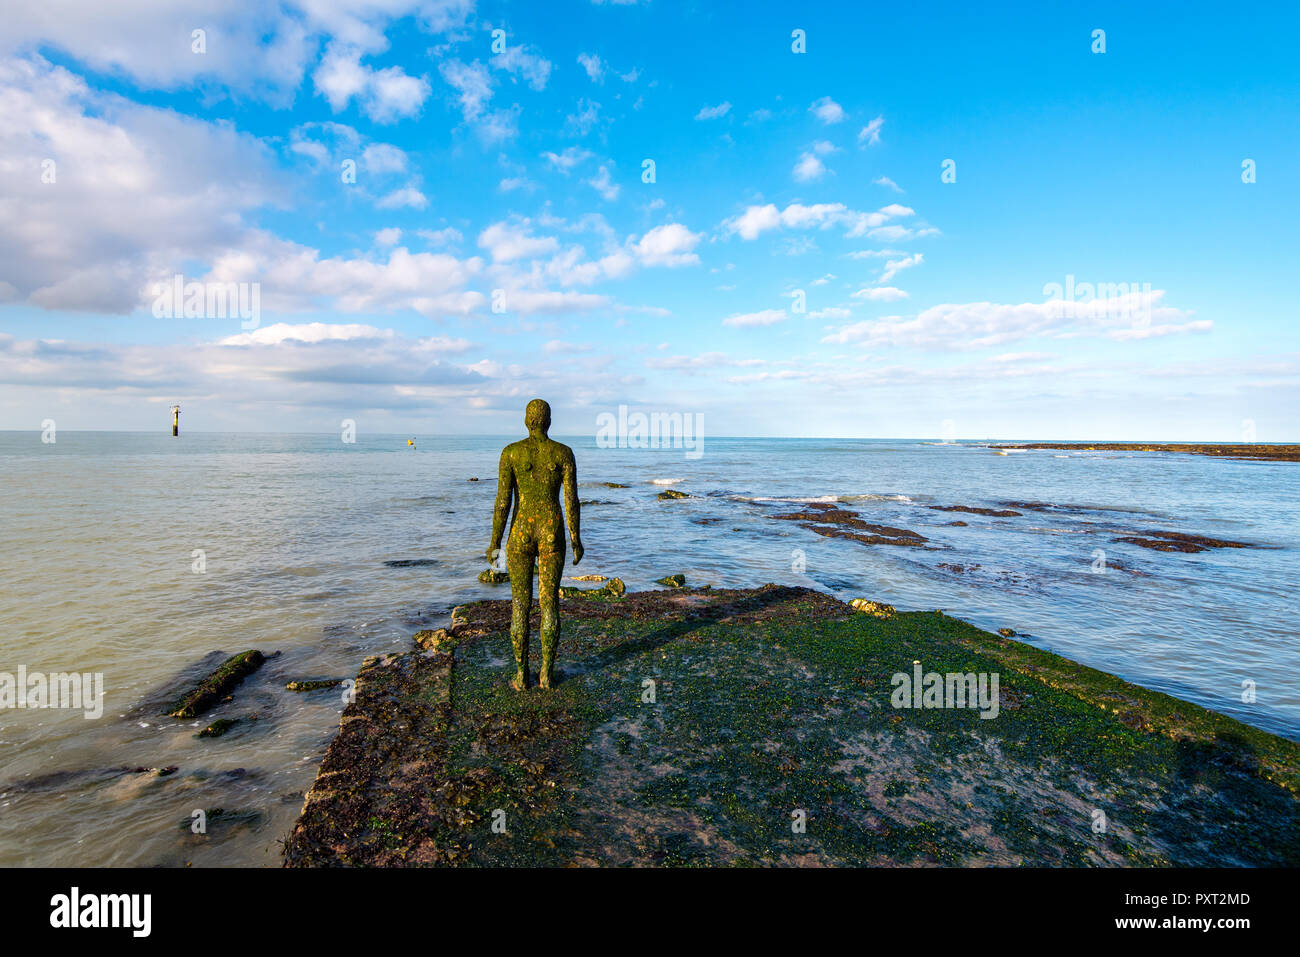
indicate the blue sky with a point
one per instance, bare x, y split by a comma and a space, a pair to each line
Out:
782, 180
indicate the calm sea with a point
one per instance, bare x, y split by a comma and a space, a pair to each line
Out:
103, 532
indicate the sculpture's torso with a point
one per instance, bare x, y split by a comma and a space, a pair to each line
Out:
538, 465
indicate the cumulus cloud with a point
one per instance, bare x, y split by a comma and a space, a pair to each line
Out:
509, 241
668, 245
386, 95
827, 110
136, 190
809, 168
756, 220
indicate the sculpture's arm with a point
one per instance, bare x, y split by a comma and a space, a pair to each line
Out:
571, 507
501, 511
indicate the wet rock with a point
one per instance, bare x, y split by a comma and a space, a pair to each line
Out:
976, 510
492, 577
438, 639
1271, 453
613, 588
313, 684
1180, 542
669, 494
217, 728
875, 609
217, 686
672, 581
589, 578
613, 485
1007, 632
410, 562
826, 519
472, 478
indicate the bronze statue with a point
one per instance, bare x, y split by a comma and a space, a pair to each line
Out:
531, 473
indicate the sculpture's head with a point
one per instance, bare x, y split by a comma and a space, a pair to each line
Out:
537, 417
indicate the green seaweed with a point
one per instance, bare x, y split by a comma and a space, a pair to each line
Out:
216, 686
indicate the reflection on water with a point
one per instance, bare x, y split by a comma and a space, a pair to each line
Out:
328, 552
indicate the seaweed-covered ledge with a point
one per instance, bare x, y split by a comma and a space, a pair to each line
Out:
764, 727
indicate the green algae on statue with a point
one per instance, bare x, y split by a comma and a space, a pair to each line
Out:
530, 475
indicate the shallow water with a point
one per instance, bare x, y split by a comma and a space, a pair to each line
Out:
97, 576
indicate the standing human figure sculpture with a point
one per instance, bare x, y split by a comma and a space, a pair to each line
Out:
530, 475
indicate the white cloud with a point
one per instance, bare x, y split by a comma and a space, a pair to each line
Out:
827, 110
869, 135
440, 237
520, 61
668, 245
382, 158
604, 184
713, 112
594, 67
388, 237
979, 325
403, 197
808, 168
583, 119
888, 183
766, 317
138, 191
880, 294
305, 332
386, 95
894, 266
758, 219
507, 242
567, 159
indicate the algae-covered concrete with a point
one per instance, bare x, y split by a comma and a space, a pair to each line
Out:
759, 727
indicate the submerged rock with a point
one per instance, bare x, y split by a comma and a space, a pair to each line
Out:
672, 493
1180, 542
826, 519
613, 485
217, 728
217, 685
492, 577
976, 510
313, 684
672, 581
410, 562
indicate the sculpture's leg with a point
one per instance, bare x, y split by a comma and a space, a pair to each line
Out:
550, 568
519, 562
